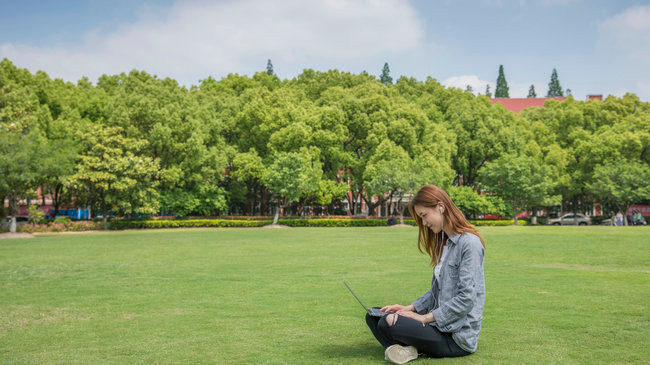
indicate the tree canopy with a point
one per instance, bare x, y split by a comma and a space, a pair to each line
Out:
136, 144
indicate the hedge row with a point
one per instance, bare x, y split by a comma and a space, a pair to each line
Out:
135, 224
497, 222
336, 222
118, 224
291, 222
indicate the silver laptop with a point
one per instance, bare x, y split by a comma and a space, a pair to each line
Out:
372, 311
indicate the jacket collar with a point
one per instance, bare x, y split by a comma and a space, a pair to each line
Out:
454, 238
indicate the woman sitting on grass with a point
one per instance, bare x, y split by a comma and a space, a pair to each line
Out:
446, 320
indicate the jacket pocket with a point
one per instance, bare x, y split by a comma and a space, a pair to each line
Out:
453, 268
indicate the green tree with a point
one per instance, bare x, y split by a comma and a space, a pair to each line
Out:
385, 77
248, 168
488, 93
63, 154
482, 133
291, 176
520, 179
24, 152
554, 88
113, 173
22, 158
472, 203
531, 92
269, 68
386, 173
328, 191
502, 85
622, 184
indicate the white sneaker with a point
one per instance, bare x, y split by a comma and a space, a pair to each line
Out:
399, 354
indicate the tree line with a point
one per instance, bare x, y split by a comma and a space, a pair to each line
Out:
502, 89
138, 144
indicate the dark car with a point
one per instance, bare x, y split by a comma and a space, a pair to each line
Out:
19, 221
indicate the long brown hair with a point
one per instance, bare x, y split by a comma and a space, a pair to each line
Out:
431, 196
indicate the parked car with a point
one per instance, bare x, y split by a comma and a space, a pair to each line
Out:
569, 220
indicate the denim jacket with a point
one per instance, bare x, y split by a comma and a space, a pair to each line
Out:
457, 300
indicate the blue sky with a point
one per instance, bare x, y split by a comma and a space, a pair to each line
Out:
597, 47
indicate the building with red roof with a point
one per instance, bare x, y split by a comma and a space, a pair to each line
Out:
516, 105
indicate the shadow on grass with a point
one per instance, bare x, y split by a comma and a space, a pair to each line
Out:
365, 350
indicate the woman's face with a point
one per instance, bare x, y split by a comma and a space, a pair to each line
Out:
431, 217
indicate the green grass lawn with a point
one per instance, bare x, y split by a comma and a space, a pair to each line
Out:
554, 295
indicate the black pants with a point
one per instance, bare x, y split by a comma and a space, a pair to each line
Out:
408, 332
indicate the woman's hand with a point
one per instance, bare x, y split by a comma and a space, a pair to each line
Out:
418, 317
396, 308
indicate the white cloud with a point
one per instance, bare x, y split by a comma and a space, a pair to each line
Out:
644, 89
461, 82
192, 40
624, 41
515, 89
520, 89
556, 2
628, 32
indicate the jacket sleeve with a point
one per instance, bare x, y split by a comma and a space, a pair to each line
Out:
424, 302
448, 316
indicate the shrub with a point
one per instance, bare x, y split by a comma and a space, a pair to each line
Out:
62, 220
35, 215
61, 227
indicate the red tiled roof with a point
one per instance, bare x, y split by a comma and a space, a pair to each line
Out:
516, 105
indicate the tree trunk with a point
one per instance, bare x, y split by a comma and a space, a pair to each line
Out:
514, 209
262, 202
399, 207
401, 212
349, 196
12, 211
380, 201
56, 201
277, 214
254, 200
372, 206
356, 202
279, 207
104, 215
